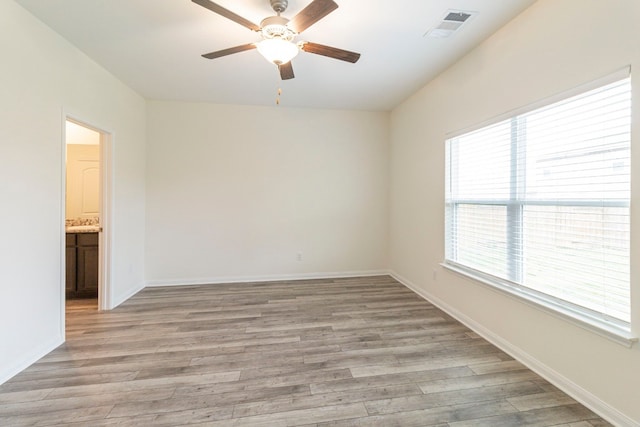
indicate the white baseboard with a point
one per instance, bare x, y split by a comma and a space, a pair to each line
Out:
116, 301
6, 373
265, 278
572, 389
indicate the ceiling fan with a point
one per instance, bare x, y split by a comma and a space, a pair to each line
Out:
278, 33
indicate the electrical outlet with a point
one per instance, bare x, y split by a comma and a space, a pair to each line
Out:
299, 256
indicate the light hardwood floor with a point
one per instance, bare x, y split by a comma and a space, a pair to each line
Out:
343, 352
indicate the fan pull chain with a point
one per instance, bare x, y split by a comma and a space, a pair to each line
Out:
278, 97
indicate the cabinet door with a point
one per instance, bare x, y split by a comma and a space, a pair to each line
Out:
87, 284
70, 269
87, 239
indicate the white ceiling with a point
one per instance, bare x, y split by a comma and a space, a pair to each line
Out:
154, 46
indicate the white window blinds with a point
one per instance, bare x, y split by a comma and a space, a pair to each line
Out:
541, 201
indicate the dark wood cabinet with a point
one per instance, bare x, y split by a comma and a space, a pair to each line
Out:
71, 264
82, 265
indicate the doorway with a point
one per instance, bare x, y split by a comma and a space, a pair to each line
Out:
86, 202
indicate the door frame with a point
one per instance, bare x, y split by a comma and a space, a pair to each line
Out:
106, 212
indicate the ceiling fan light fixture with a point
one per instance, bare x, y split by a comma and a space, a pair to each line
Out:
278, 34
278, 51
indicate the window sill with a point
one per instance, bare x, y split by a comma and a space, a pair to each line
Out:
582, 319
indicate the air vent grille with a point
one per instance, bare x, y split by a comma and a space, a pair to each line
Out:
450, 24
457, 16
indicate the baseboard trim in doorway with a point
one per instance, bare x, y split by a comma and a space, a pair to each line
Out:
122, 298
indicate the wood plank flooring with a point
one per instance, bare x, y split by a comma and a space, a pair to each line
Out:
341, 352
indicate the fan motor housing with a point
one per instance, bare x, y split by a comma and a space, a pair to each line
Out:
276, 27
279, 5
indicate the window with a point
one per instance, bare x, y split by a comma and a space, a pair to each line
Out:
538, 204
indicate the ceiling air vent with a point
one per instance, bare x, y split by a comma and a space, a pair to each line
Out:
450, 24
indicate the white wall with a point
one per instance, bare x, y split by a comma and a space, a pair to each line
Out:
42, 75
554, 46
236, 192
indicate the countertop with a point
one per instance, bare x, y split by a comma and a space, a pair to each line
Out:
83, 229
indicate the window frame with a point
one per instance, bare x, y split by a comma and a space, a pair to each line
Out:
599, 323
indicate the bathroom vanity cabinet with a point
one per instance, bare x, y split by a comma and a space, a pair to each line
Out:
82, 265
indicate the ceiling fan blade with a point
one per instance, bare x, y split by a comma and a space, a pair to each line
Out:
229, 51
227, 14
315, 11
331, 52
286, 71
